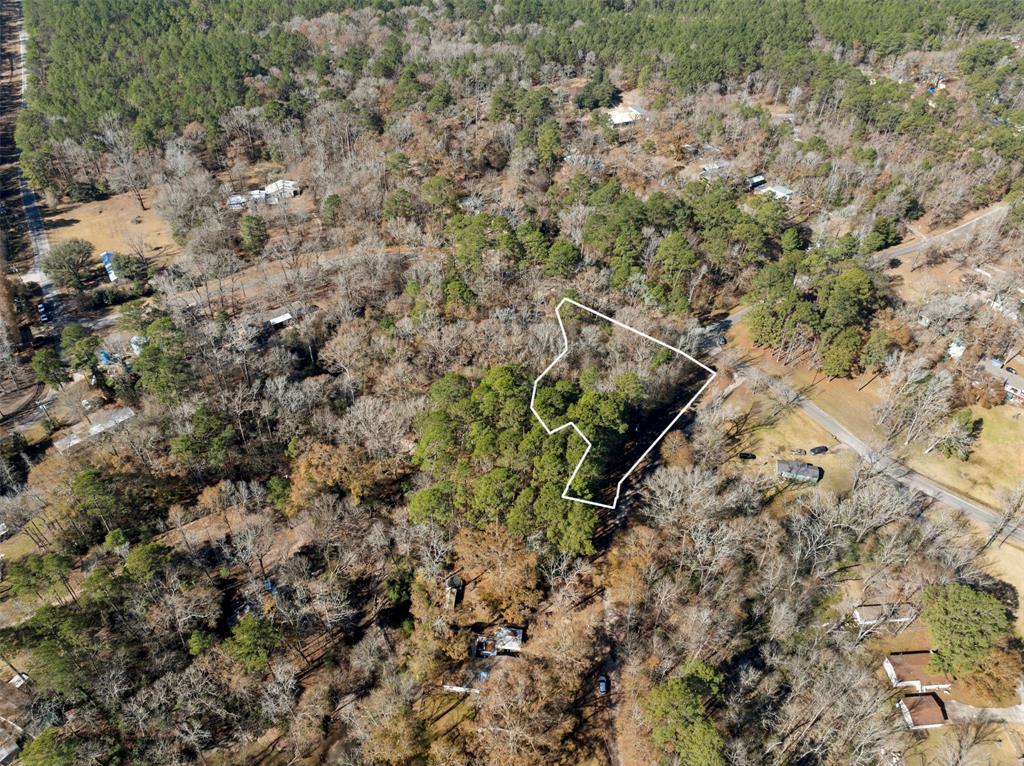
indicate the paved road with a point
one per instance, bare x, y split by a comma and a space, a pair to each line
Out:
898, 471
961, 230
33, 218
893, 468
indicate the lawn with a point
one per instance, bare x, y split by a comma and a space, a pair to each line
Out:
994, 467
773, 439
116, 223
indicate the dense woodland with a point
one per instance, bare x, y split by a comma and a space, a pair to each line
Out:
254, 568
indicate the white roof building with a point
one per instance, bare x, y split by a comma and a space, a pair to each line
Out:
282, 188
624, 115
776, 190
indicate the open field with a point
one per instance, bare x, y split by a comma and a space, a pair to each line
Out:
116, 224
995, 465
850, 401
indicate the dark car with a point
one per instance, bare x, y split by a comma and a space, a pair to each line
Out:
602, 684
1011, 370
821, 450
747, 456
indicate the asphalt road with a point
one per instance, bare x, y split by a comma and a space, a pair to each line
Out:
961, 230
901, 473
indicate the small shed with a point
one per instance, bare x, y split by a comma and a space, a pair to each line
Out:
794, 470
453, 591
753, 182
956, 349
237, 201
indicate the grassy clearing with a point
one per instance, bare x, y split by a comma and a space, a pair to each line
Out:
995, 465
774, 438
1001, 744
115, 224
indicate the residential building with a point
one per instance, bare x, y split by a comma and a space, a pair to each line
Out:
794, 470
281, 189
1013, 382
776, 190
922, 711
912, 670
271, 194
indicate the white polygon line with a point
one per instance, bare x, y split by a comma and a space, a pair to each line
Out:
571, 424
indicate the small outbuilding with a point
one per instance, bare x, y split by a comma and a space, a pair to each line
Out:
504, 640
869, 615
754, 182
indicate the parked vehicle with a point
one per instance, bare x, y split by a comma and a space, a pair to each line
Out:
747, 456
602, 684
1011, 370
820, 450
720, 340
43, 316
798, 451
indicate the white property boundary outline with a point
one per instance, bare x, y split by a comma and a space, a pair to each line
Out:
561, 355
